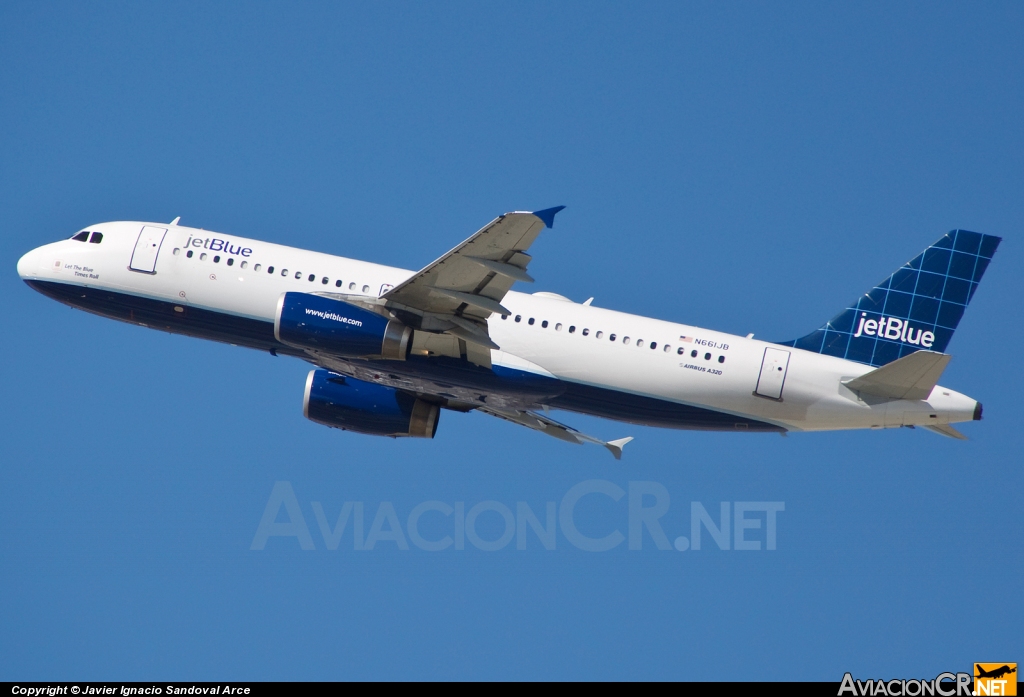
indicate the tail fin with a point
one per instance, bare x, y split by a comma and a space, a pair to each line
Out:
918, 307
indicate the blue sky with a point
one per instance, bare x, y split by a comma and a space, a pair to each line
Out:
741, 167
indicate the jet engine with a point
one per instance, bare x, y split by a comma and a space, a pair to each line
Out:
364, 407
312, 321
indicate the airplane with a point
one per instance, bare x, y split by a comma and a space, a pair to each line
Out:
995, 673
392, 348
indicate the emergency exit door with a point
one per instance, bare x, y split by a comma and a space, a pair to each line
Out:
773, 373
147, 248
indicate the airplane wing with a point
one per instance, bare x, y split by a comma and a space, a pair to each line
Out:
544, 424
458, 292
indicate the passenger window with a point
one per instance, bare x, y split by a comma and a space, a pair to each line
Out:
693, 353
231, 261
270, 269
586, 331
668, 349
721, 359
298, 275
519, 318
216, 259
544, 324
504, 316
352, 286
245, 264
337, 284
324, 282
202, 256
531, 321
255, 268
312, 277
96, 238
681, 351
366, 289
284, 273
598, 334
707, 356
189, 254
558, 327
82, 236
572, 328
625, 340
176, 251
654, 345
611, 337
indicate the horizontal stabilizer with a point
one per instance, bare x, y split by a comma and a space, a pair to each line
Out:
911, 377
946, 430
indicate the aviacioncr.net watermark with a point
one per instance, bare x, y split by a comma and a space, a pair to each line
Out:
490, 525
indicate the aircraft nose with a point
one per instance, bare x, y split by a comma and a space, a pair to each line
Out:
28, 264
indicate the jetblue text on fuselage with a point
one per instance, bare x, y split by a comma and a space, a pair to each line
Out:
388, 361
336, 317
215, 244
895, 330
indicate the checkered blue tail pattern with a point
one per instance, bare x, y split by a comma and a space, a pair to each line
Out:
917, 308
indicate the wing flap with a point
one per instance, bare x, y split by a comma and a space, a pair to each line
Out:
480, 301
516, 273
470, 331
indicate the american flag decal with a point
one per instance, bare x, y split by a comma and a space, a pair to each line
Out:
686, 339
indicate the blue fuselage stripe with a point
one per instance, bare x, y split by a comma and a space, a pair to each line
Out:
259, 334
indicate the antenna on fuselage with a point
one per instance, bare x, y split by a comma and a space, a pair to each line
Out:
175, 221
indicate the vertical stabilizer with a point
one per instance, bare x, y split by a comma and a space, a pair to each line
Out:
917, 308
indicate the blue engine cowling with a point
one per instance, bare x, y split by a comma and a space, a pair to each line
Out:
312, 321
364, 407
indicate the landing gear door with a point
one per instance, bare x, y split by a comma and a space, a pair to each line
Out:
146, 249
773, 373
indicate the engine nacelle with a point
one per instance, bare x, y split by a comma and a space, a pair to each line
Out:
364, 407
312, 321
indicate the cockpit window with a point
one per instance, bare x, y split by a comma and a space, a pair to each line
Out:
96, 238
82, 236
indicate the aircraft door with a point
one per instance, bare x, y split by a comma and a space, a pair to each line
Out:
146, 249
773, 373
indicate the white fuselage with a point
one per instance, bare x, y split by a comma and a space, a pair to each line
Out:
553, 336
